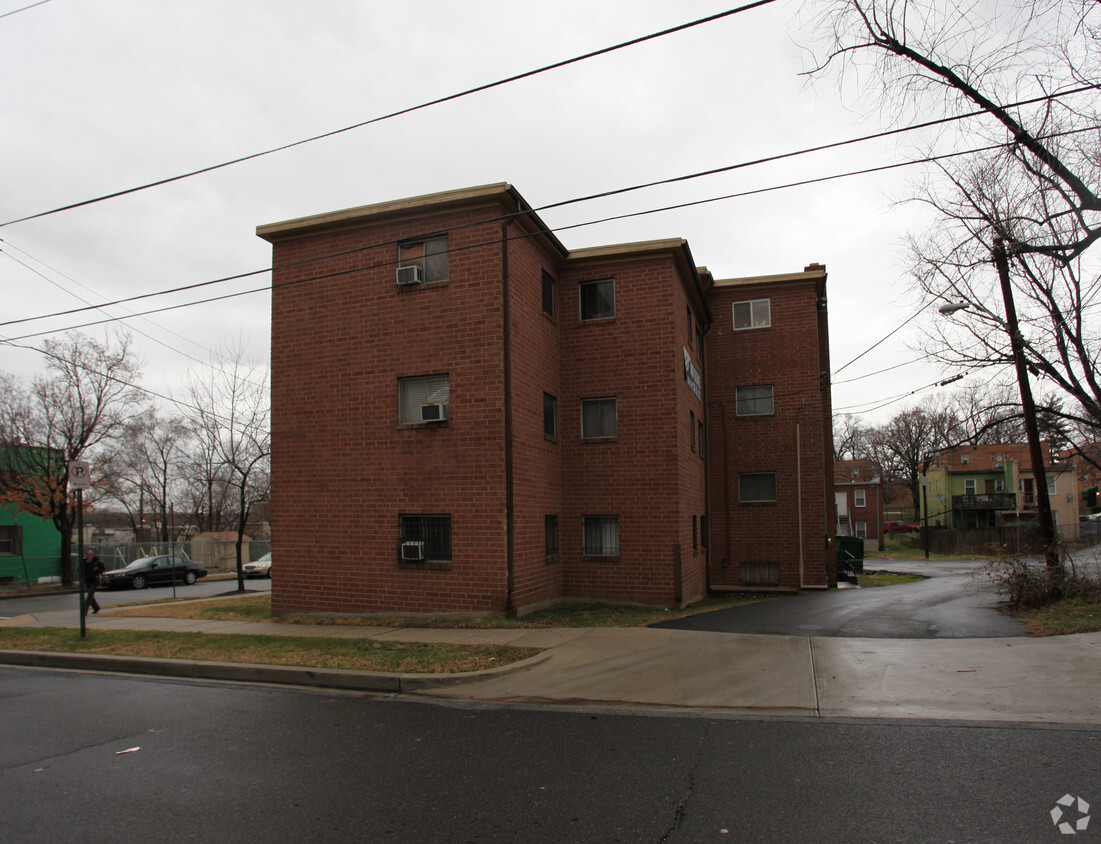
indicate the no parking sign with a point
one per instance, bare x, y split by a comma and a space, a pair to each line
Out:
80, 475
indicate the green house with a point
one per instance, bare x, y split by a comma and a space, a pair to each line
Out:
29, 548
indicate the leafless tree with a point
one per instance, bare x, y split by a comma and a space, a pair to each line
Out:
146, 477
229, 409
75, 412
1028, 178
901, 447
849, 436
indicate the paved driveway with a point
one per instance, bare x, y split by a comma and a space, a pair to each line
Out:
951, 603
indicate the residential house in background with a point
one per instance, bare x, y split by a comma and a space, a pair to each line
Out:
30, 544
858, 490
987, 486
467, 416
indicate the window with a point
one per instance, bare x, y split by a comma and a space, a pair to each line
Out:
550, 535
1051, 486
755, 313
757, 486
426, 398
862, 530
999, 486
548, 294
10, 536
598, 418
754, 401
550, 408
601, 536
429, 254
690, 331
858, 498
965, 459
597, 299
692, 429
433, 531
970, 486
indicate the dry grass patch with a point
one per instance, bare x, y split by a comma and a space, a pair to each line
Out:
311, 652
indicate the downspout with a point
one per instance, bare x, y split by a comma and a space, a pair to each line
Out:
510, 516
799, 491
706, 462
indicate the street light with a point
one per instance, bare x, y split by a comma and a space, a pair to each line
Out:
1028, 406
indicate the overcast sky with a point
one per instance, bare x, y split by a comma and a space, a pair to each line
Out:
107, 95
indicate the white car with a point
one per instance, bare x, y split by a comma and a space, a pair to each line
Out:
258, 568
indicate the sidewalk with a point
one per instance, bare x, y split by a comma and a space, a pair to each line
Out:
1048, 680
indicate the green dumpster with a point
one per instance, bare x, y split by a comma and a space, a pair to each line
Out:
850, 554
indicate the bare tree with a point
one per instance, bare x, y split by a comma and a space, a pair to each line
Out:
229, 409
849, 436
901, 447
1029, 70
76, 412
146, 475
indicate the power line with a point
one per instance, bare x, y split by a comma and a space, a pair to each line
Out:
25, 8
559, 204
409, 110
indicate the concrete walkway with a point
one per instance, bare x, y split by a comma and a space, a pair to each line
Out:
1053, 680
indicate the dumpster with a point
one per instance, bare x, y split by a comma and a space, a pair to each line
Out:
850, 555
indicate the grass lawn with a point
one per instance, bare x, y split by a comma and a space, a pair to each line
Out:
257, 607
885, 578
1070, 615
312, 652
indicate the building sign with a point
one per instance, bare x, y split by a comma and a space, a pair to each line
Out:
692, 376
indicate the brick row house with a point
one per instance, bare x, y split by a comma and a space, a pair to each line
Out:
469, 417
859, 495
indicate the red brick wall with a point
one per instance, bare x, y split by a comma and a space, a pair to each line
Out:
343, 469
644, 475
787, 355
537, 460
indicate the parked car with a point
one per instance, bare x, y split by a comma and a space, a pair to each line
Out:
900, 527
154, 571
258, 568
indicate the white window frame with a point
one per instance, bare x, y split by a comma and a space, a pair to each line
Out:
419, 390
859, 498
755, 313
861, 529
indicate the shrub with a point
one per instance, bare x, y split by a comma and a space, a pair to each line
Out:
1026, 584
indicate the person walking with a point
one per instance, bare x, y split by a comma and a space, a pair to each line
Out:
93, 568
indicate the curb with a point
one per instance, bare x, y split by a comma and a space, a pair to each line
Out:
243, 672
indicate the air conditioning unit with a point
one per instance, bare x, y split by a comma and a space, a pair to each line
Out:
410, 275
433, 412
412, 552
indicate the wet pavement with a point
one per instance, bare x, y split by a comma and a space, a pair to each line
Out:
954, 601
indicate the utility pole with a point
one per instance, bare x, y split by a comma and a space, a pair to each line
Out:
1039, 472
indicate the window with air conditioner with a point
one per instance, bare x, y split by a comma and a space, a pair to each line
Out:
424, 398
424, 538
422, 261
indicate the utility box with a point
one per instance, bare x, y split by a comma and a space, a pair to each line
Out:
850, 554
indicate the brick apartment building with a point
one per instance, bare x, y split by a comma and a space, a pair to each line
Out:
469, 417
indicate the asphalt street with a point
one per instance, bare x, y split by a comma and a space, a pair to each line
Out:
100, 758
953, 602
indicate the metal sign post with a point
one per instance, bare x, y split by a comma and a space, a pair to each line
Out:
80, 478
